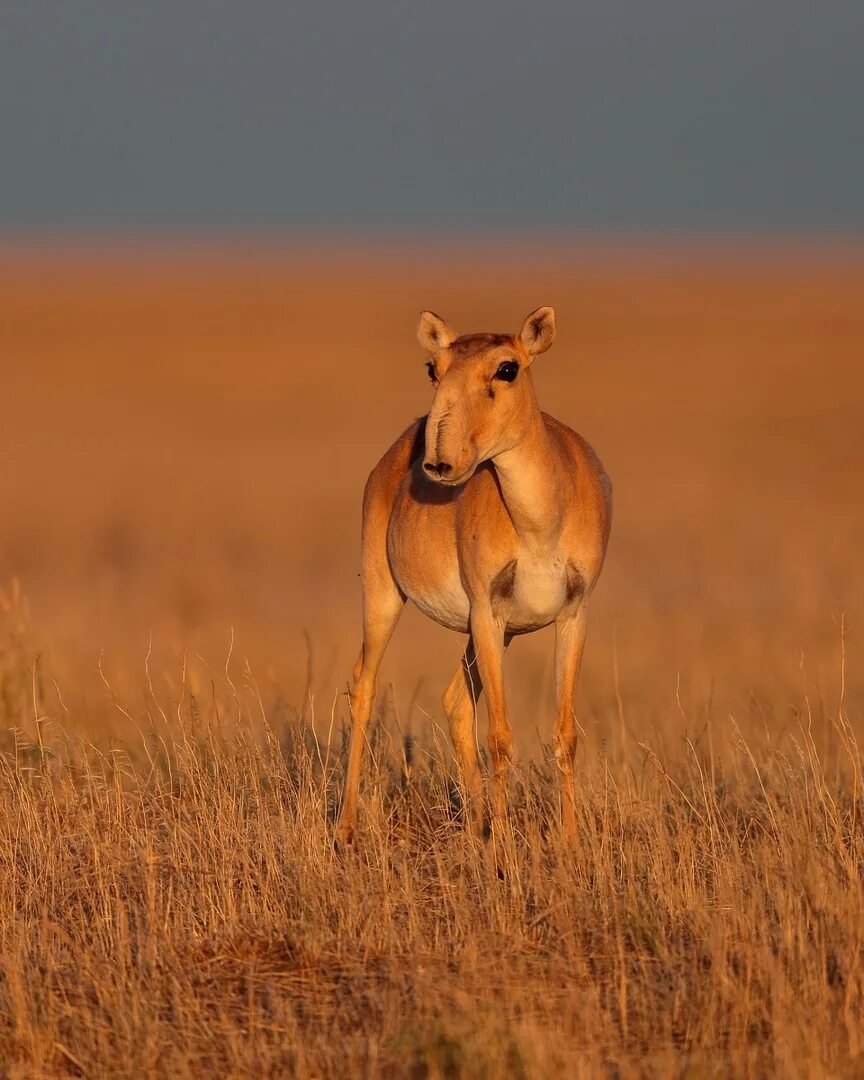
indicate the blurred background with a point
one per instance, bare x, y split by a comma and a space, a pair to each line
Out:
602, 116
218, 224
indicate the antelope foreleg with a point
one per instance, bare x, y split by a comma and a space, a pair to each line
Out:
460, 705
489, 643
569, 643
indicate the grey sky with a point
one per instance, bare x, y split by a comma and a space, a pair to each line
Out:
645, 114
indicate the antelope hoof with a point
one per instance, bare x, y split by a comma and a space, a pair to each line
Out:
344, 837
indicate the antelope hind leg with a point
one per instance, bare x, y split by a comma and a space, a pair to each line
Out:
382, 606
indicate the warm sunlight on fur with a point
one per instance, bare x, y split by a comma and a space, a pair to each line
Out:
494, 519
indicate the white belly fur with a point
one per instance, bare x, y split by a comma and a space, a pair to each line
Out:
539, 594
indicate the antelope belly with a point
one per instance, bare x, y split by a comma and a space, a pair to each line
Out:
446, 603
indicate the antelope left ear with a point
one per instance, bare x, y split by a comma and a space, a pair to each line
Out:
433, 333
538, 331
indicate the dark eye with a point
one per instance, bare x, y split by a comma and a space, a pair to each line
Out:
507, 371
430, 368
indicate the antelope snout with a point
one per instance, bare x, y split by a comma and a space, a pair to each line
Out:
437, 470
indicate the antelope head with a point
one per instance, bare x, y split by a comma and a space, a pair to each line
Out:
484, 398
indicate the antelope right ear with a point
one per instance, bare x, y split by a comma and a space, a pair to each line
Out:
538, 331
433, 333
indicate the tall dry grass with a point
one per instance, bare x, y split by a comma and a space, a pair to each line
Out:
171, 904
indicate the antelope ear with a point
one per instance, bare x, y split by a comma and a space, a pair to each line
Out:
538, 331
433, 333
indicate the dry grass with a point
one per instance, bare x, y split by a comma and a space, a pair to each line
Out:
182, 450
171, 903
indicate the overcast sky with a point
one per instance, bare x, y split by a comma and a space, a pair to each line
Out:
303, 114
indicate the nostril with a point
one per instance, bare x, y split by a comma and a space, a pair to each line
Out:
437, 469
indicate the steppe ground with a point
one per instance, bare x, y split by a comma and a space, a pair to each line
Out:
184, 439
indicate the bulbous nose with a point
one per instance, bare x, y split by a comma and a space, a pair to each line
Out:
437, 470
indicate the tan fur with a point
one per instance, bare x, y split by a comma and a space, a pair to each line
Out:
493, 518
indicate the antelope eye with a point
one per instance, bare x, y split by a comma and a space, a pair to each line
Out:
507, 371
430, 370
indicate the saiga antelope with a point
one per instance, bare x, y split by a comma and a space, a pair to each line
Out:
492, 517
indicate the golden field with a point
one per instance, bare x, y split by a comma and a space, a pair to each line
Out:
185, 435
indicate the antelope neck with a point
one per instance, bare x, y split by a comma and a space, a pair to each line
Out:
528, 477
